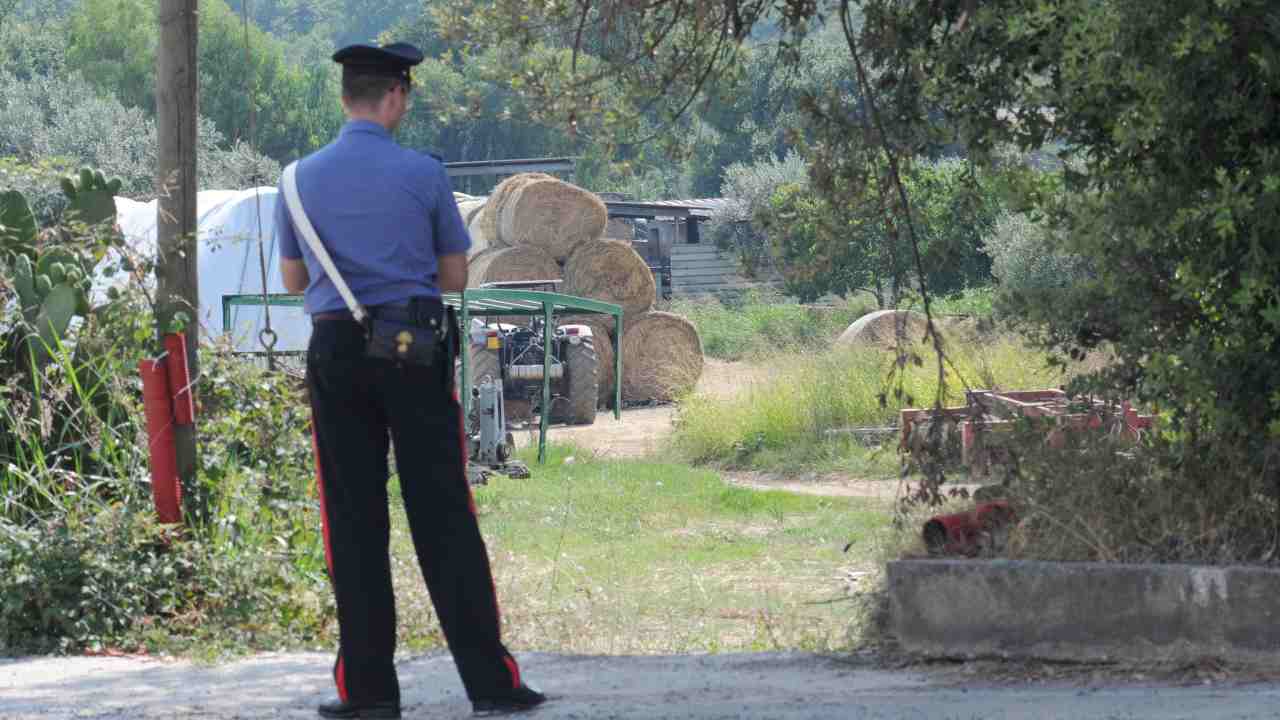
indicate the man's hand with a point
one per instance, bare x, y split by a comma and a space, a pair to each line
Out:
452, 275
293, 271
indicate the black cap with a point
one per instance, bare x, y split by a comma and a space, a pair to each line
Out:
392, 60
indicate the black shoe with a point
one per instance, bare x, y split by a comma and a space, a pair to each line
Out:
512, 701
378, 711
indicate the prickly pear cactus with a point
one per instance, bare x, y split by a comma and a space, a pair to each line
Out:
18, 229
52, 282
91, 196
52, 321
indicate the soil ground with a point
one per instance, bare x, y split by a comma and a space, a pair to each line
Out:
643, 431
786, 686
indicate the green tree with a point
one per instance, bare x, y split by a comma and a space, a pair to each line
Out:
112, 43
289, 19
825, 247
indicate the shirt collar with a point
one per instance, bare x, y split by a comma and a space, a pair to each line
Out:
365, 126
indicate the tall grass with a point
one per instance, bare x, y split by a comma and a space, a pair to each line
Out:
760, 325
802, 411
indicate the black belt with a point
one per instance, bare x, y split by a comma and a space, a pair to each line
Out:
394, 313
416, 312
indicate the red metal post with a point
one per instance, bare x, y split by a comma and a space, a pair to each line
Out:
184, 409
166, 490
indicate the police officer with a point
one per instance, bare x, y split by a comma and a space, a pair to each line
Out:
386, 216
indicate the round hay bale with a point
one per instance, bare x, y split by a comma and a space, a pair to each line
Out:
480, 240
612, 271
489, 217
505, 264
551, 215
468, 209
602, 334
883, 329
661, 357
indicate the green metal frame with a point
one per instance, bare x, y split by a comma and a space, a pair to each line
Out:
255, 300
488, 302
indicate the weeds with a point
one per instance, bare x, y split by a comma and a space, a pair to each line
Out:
761, 325
85, 563
802, 414
1102, 497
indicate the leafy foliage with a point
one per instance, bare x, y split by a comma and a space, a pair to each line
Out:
752, 188
57, 124
112, 44
86, 564
839, 247
1024, 257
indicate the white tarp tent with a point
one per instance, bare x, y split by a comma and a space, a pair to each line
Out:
230, 224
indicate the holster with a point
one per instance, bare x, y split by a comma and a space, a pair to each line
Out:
414, 335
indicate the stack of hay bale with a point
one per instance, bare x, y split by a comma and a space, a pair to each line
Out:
536, 227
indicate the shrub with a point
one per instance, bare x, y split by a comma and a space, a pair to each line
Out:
85, 563
86, 578
62, 122
752, 187
1025, 256
761, 324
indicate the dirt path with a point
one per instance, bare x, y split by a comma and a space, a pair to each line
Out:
644, 431
827, 484
786, 686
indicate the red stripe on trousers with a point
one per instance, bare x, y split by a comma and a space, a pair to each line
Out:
324, 514
339, 673
515, 671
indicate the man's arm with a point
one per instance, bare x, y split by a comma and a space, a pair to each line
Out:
450, 236
293, 271
452, 275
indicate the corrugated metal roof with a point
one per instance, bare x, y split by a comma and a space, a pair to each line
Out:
698, 207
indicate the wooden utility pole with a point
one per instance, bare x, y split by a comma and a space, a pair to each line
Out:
176, 286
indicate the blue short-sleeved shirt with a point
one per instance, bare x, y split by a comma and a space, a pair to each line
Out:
384, 213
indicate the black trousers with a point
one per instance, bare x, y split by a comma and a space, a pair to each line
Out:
359, 406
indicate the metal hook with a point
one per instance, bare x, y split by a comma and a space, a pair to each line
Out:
267, 337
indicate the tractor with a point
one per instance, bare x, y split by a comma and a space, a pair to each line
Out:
514, 353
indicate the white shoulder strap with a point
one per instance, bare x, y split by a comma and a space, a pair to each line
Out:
303, 224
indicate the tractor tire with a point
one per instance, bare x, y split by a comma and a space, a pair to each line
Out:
582, 381
483, 362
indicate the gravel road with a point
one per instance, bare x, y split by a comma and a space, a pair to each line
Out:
772, 685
